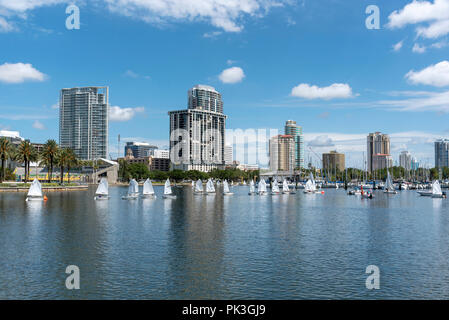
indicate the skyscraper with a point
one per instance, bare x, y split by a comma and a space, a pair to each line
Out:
197, 135
405, 160
333, 161
282, 153
292, 129
378, 151
140, 149
83, 121
442, 153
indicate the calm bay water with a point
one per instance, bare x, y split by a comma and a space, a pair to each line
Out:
214, 247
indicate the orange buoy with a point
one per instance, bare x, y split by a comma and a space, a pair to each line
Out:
322, 192
45, 198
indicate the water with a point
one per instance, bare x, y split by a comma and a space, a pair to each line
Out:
233, 247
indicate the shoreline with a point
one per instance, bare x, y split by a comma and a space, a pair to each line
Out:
47, 189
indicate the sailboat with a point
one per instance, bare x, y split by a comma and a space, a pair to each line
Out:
262, 187
198, 187
226, 190
389, 187
148, 191
252, 188
168, 194
193, 184
102, 192
275, 187
285, 188
210, 189
436, 190
310, 185
35, 191
133, 191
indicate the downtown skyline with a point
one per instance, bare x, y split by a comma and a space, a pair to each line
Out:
313, 63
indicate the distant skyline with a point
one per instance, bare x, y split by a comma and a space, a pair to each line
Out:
314, 62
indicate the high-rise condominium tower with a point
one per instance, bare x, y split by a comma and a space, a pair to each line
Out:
442, 153
282, 153
378, 151
197, 135
83, 121
292, 129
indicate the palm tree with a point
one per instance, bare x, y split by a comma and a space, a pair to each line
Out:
26, 153
62, 159
48, 156
6, 153
72, 161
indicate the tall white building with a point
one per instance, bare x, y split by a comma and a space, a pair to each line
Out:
83, 121
229, 157
405, 160
282, 153
161, 154
197, 134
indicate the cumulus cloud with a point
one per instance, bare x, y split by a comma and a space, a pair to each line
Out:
19, 72
334, 91
321, 141
5, 26
436, 14
435, 75
232, 75
123, 114
417, 48
38, 125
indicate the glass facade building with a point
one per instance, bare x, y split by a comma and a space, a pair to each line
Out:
442, 153
292, 129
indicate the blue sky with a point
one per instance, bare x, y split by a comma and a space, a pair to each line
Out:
311, 61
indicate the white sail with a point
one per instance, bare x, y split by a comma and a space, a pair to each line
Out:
309, 185
275, 187
103, 187
148, 187
436, 188
389, 183
252, 188
35, 189
167, 187
285, 186
199, 186
225, 187
133, 188
210, 186
262, 186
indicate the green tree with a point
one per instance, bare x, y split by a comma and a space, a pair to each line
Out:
6, 153
48, 156
62, 160
26, 154
72, 161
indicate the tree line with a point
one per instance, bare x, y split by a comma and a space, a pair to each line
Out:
52, 156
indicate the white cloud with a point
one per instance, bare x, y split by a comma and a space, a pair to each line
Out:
334, 91
398, 46
19, 72
225, 15
433, 101
436, 14
418, 48
435, 75
135, 75
212, 34
123, 114
25, 5
321, 141
38, 125
5, 26
232, 75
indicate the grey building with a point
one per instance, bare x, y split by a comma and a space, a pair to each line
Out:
197, 135
140, 149
83, 121
442, 153
378, 151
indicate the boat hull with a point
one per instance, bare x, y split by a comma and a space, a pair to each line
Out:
34, 199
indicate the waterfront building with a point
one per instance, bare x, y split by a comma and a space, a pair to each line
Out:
83, 121
405, 160
333, 161
292, 129
282, 153
228, 156
161, 154
197, 134
442, 153
378, 151
414, 164
15, 139
140, 149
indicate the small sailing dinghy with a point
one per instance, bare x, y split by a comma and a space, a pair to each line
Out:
436, 190
102, 192
389, 187
252, 188
285, 188
226, 190
168, 193
262, 187
210, 189
199, 187
148, 190
310, 186
35, 191
133, 191
275, 187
